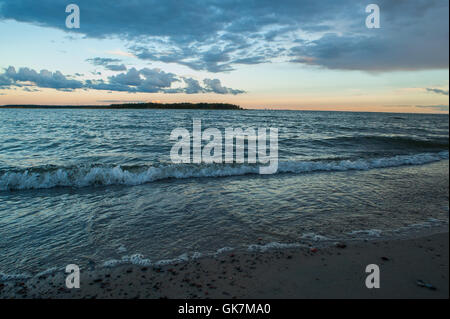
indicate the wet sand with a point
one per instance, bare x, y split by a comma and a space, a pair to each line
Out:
333, 272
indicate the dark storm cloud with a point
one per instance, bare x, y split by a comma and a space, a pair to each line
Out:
133, 81
413, 36
217, 35
183, 21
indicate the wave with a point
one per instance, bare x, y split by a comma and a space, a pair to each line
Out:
399, 142
306, 241
85, 176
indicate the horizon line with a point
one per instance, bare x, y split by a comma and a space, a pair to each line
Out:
108, 106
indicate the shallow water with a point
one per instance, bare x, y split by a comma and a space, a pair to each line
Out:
92, 186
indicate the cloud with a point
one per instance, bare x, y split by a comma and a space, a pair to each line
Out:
117, 68
27, 89
413, 36
437, 91
108, 63
214, 85
193, 86
217, 36
102, 61
5, 81
142, 81
43, 79
145, 80
130, 78
250, 60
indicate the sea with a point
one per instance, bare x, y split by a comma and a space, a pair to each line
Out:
97, 187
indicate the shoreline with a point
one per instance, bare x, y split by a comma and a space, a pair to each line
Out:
329, 272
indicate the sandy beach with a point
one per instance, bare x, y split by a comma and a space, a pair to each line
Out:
333, 272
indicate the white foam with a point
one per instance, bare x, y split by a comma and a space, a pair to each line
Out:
273, 245
136, 259
181, 258
429, 223
223, 250
314, 237
139, 260
196, 255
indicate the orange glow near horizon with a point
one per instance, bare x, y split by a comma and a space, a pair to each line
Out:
397, 103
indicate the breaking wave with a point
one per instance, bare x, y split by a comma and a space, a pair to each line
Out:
89, 176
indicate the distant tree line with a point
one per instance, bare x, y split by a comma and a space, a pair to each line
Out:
174, 106
184, 106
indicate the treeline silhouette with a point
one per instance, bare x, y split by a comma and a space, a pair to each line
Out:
174, 106
188, 106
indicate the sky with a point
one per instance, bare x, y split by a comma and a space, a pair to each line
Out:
259, 54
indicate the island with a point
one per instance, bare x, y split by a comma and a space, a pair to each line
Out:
170, 106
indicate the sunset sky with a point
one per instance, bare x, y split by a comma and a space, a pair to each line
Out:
291, 54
